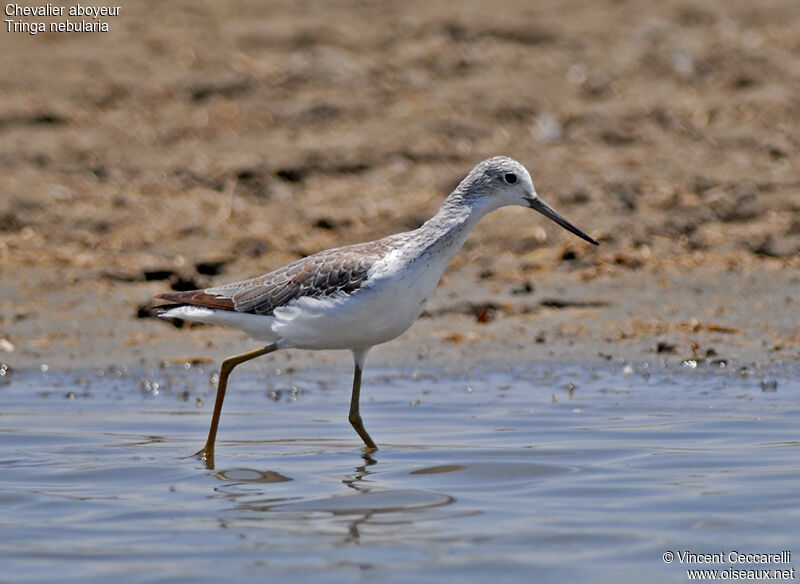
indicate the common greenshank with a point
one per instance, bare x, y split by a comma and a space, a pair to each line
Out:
357, 296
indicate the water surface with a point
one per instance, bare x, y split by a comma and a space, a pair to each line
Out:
540, 473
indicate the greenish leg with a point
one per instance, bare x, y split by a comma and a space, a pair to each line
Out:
207, 453
355, 415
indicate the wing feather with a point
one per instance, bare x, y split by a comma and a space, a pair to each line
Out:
322, 274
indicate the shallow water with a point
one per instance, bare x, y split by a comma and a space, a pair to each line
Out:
486, 474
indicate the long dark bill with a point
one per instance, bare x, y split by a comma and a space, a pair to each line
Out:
538, 205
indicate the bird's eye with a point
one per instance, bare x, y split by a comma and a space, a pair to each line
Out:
510, 178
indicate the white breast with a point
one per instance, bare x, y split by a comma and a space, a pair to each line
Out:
378, 312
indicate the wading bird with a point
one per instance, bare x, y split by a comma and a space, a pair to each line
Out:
357, 296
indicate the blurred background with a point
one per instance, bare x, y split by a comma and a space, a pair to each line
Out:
203, 138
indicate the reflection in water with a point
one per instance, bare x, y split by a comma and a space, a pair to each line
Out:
355, 480
355, 509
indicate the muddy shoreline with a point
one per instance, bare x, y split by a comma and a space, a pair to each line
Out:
472, 320
196, 145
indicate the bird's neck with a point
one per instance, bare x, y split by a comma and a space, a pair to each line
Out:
447, 230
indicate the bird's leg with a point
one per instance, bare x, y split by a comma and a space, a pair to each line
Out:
355, 415
207, 453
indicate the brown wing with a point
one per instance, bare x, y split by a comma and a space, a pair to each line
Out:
197, 298
322, 274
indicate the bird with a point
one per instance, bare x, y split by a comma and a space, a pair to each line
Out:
356, 296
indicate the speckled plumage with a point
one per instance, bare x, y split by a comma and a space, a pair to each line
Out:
335, 271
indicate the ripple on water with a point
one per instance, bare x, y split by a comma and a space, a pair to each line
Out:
544, 473
249, 475
485, 474
382, 501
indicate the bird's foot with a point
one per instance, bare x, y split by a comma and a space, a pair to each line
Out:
206, 455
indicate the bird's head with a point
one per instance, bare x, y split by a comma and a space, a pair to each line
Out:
501, 181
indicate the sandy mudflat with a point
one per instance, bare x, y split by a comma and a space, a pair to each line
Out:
196, 143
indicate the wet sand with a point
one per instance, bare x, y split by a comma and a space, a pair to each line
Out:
200, 143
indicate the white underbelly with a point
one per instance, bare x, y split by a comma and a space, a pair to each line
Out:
373, 315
